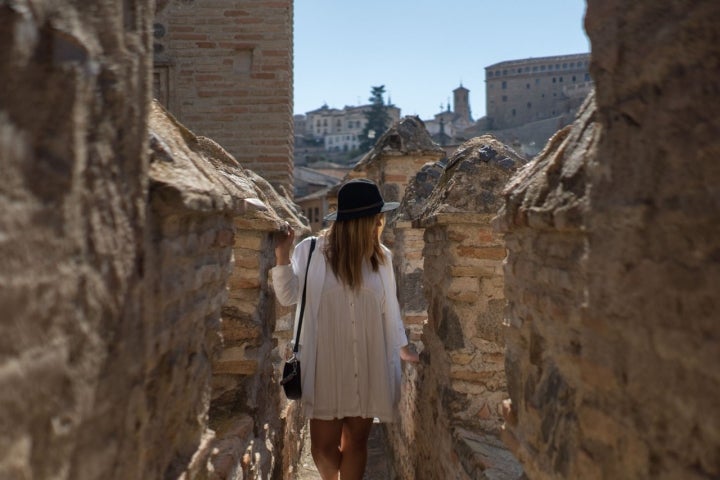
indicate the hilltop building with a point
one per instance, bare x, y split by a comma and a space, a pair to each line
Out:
336, 130
519, 92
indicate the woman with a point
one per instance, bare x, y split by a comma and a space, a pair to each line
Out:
352, 337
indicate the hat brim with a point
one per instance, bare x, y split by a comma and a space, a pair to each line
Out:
387, 206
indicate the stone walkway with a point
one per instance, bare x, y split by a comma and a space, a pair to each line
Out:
378, 466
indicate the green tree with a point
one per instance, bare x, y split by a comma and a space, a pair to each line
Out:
378, 119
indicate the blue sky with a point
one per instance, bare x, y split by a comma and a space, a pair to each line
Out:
421, 50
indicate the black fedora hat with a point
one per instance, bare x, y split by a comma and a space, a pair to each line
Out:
359, 198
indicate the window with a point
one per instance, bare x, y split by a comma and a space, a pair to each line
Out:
527, 86
542, 68
325, 122
490, 74
573, 78
519, 70
564, 65
504, 98
587, 77
504, 85
554, 80
513, 112
317, 214
572, 64
504, 72
529, 104
535, 68
561, 79
537, 81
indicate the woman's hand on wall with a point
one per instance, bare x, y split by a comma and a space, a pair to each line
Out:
408, 355
283, 243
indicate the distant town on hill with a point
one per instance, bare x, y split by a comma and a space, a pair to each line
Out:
527, 100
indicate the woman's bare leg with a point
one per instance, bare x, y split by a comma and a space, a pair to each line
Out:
353, 447
325, 446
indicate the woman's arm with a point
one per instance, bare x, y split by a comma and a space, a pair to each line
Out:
283, 275
392, 311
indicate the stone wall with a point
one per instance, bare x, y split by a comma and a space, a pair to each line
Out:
116, 262
456, 421
73, 142
224, 68
241, 401
612, 274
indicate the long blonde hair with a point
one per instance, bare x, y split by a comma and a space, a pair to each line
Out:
350, 242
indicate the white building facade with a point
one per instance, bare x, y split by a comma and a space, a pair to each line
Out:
339, 129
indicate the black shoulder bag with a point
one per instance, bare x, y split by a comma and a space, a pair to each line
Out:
291, 371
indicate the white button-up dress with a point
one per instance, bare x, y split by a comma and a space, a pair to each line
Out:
350, 339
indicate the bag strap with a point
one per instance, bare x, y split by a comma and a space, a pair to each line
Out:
302, 303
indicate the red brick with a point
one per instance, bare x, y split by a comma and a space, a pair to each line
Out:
236, 13
208, 78
237, 45
188, 36
248, 21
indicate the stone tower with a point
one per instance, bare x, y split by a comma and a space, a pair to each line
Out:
461, 101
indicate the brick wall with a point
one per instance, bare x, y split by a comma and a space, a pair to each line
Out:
224, 68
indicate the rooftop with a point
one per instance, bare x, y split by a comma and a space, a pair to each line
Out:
524, 61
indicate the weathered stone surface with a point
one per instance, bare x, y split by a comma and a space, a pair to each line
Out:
198, 174
191, 176
419, 189
461, 379
612, 269
73, 108
116, 251
408, 137
473, 177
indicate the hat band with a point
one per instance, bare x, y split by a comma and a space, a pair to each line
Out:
360, 209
